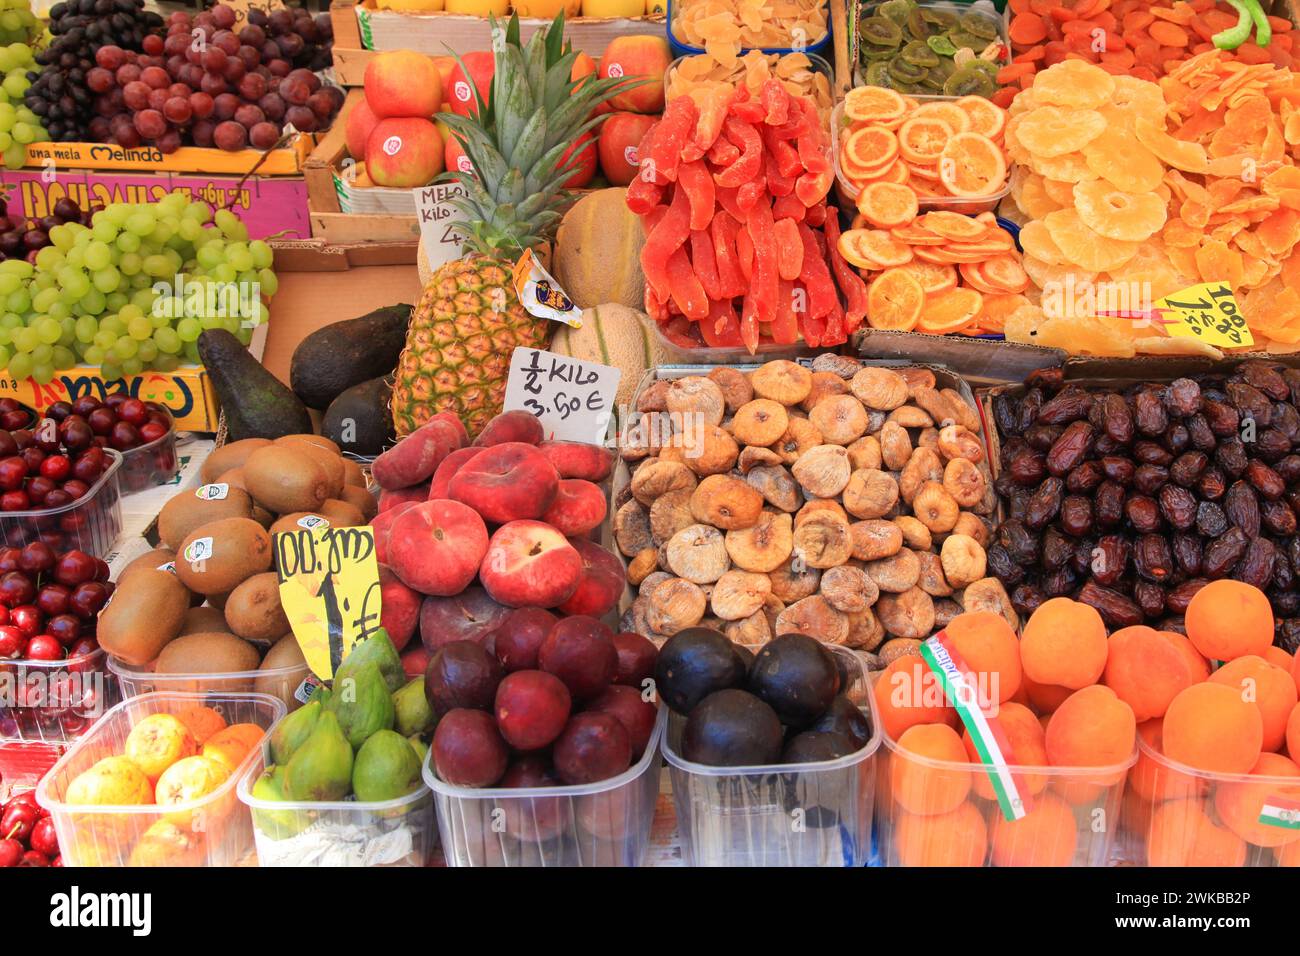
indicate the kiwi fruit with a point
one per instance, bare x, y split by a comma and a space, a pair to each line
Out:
186, 511
238, 549
150, 560
332, 462
282, 479
262, 516
203, 618
362, 500
352, 473
230, 456
290, 521
234, 477
210, 652
341, 514
253, 610
284, 653
320, 441
144, 616
218, 601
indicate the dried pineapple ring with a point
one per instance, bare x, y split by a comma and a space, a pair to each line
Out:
1124, 164
1084, 246
1050, 131
1074, 83
1131, 217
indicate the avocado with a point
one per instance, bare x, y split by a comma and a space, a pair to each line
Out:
256, 403
796, 676
732, 728
845, 717
359, 419
814, 746
331, 360
694, 663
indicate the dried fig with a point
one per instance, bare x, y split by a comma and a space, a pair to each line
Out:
963, 559
929, 438
892, 650
658, 477
879, 388
865, 453
923, 466
671, 513
842, 365
895, 446
874, 539
958, 441
790, 585
964, 481
815, 617
654, 398
654, 579
725, 502
824, 385
850, 590
775, 484
698, 554
696, 397
972, 526
936, 405
820, 506
965, 414
822, 542
786, 382
910, 416
935, 508
634, 619
910, 614
752, 632
915, 535
870, 493
840, 418
708, 451
800, 436
752, 457
932, 580
640, 567
865, 630
738, 594
760, 422
822, 471
945, 609
734, 385
917, 377
674, 605
896, 573
988, 594
764, 546
642, 437
632, 529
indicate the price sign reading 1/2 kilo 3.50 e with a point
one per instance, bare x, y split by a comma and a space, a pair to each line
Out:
574, 399
329, 587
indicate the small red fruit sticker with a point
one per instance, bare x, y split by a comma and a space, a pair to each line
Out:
392, 145
629, 156
461, 91
615, 69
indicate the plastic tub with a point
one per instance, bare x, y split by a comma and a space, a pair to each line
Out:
818, 63
595, 824
847, 193
985, 10
970, 830
214, 830
814, 814
22, 765
1175, 815
682, 48
282, 683
150, 465
55, 701
398, 832
90, 524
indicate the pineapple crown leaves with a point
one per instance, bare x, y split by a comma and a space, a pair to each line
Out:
515, 139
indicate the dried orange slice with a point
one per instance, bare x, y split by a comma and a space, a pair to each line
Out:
972, 166
996, 309
1180, 154
868, 150
950, 311
972, 275
1004, 274
848, 248
922, 138
914, 234
881, 249
1132, 217
895, 172
895, 300
952, 115
872, 104
887, 204
986, 117
953, 225
934, 277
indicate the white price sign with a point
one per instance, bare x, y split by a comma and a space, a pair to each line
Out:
439, 222
574, 399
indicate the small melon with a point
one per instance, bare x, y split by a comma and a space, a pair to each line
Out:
598, 251
613, 334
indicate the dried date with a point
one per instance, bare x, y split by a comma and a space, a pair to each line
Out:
1278, 518
1150, 597
1142, 513
1117, 419
1152, 453
1026, 599
1109, 560
1266, 378
1042, 437
1221, 417
1256, 565
1271, 445
1148, 479
1231, 457
1251, 403
1187, 553
1241, 505
1188, 467
1152, 558
1180, 595
1149, 415
1006, 415
1115, 609
1027, 468
1223, 553
1118, 470
1060, 582
1020, 543
1177, 506
1068, 405
1069, 450
1265, 480
1211, 520
1002, 567
1201, 435
1288, 468
1057, 549
1212, 484
1183, 397
1108, 504
1085, 478
1044, 504
1076, 515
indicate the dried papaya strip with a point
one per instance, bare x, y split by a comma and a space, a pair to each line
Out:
834, 333
752, 193
745, 254
766, 274
748, 110
850, 283
776, 102
696, 181
667, 236
788, 207
685, 287
785, 327
722, 153
721, 330
706, 266
778, 184
665, 153
782, 153
643, 195
817, 213
789, 249
750, 143
749, 333
723, 231
815, 276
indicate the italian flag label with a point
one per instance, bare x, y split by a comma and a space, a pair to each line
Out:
1280, 812
991, 743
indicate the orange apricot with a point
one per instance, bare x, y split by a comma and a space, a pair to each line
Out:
1293, 733
1146, 670
1064, 643
1279, 658
1269, 688
908, 693
1182, 834
1211, 727
1289, 855
918, 785
1200, 667
202, 722
1043, 699
229, 747
1093, 728
1045, 836
1024, 734
1152, 778
1238, 804
1295, 670
989, 648
958, 838
1227, 619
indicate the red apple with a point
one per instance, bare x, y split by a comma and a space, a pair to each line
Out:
584, 168
641, 56
403, 83
530, 563
620, 135
460, 94
361, 121
404, 152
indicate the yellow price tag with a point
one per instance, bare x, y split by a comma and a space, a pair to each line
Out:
329, 587
1208, 312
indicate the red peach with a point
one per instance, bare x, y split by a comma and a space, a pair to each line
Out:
468, 750
470, 615
403, 83
603, 581
593, 747
450, 465
639, 56
401, 607
506, 482
436, 547
515, 425
404, 152
578, 507
577, 459
530, 563
382, 524
395, 498
416, 457
620, 136
454, 157
415, 661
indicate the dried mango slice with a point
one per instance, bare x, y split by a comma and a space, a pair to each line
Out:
1180, 154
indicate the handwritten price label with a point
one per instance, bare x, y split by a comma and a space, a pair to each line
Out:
329, 587
441, 225
1208, 312
574, 399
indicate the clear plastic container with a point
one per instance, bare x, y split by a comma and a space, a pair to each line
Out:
814, 814
214, 830
847, 193
398, 832
984, 10
1175, 815
22, 765
90, 524
282, 683
596, 824
819, 45
1072, 820
150, 465
55, 701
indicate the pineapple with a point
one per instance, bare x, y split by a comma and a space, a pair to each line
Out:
469, 319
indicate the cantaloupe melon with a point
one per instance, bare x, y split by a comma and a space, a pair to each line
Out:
613, 334
598, 251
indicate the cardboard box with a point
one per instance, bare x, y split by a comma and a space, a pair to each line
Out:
266, 205
361, 29
285, 161
187, 392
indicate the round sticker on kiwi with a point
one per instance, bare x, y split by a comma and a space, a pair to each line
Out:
308, 522
214, 492
169, 567
200, 549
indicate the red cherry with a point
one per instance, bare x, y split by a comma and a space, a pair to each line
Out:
9, 559
36, 557
74, 489
11, 852
16, 588
17, 821
15, 419
56, 467
38, 488
103, 572
12, 641
4, 614
44, 838
32, 457
85, 405
13, 472
83, 647
64, 628
14, 501
152, 431
124, 436
57, 499
28, 619
44, 647
133, 411
87, 599
22, 437
75, 567
102, 420
57, 861
32, 858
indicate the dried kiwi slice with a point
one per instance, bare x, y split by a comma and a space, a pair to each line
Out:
878, 74
895, 10
906, 72
941, 19
941, 45
960, 38
970, 81
935, 77
987, 66
979, 26
880, 31
870, 54
918, 53
917, 28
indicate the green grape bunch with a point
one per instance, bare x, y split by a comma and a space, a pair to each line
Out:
18, 124
18, 24
133, 290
